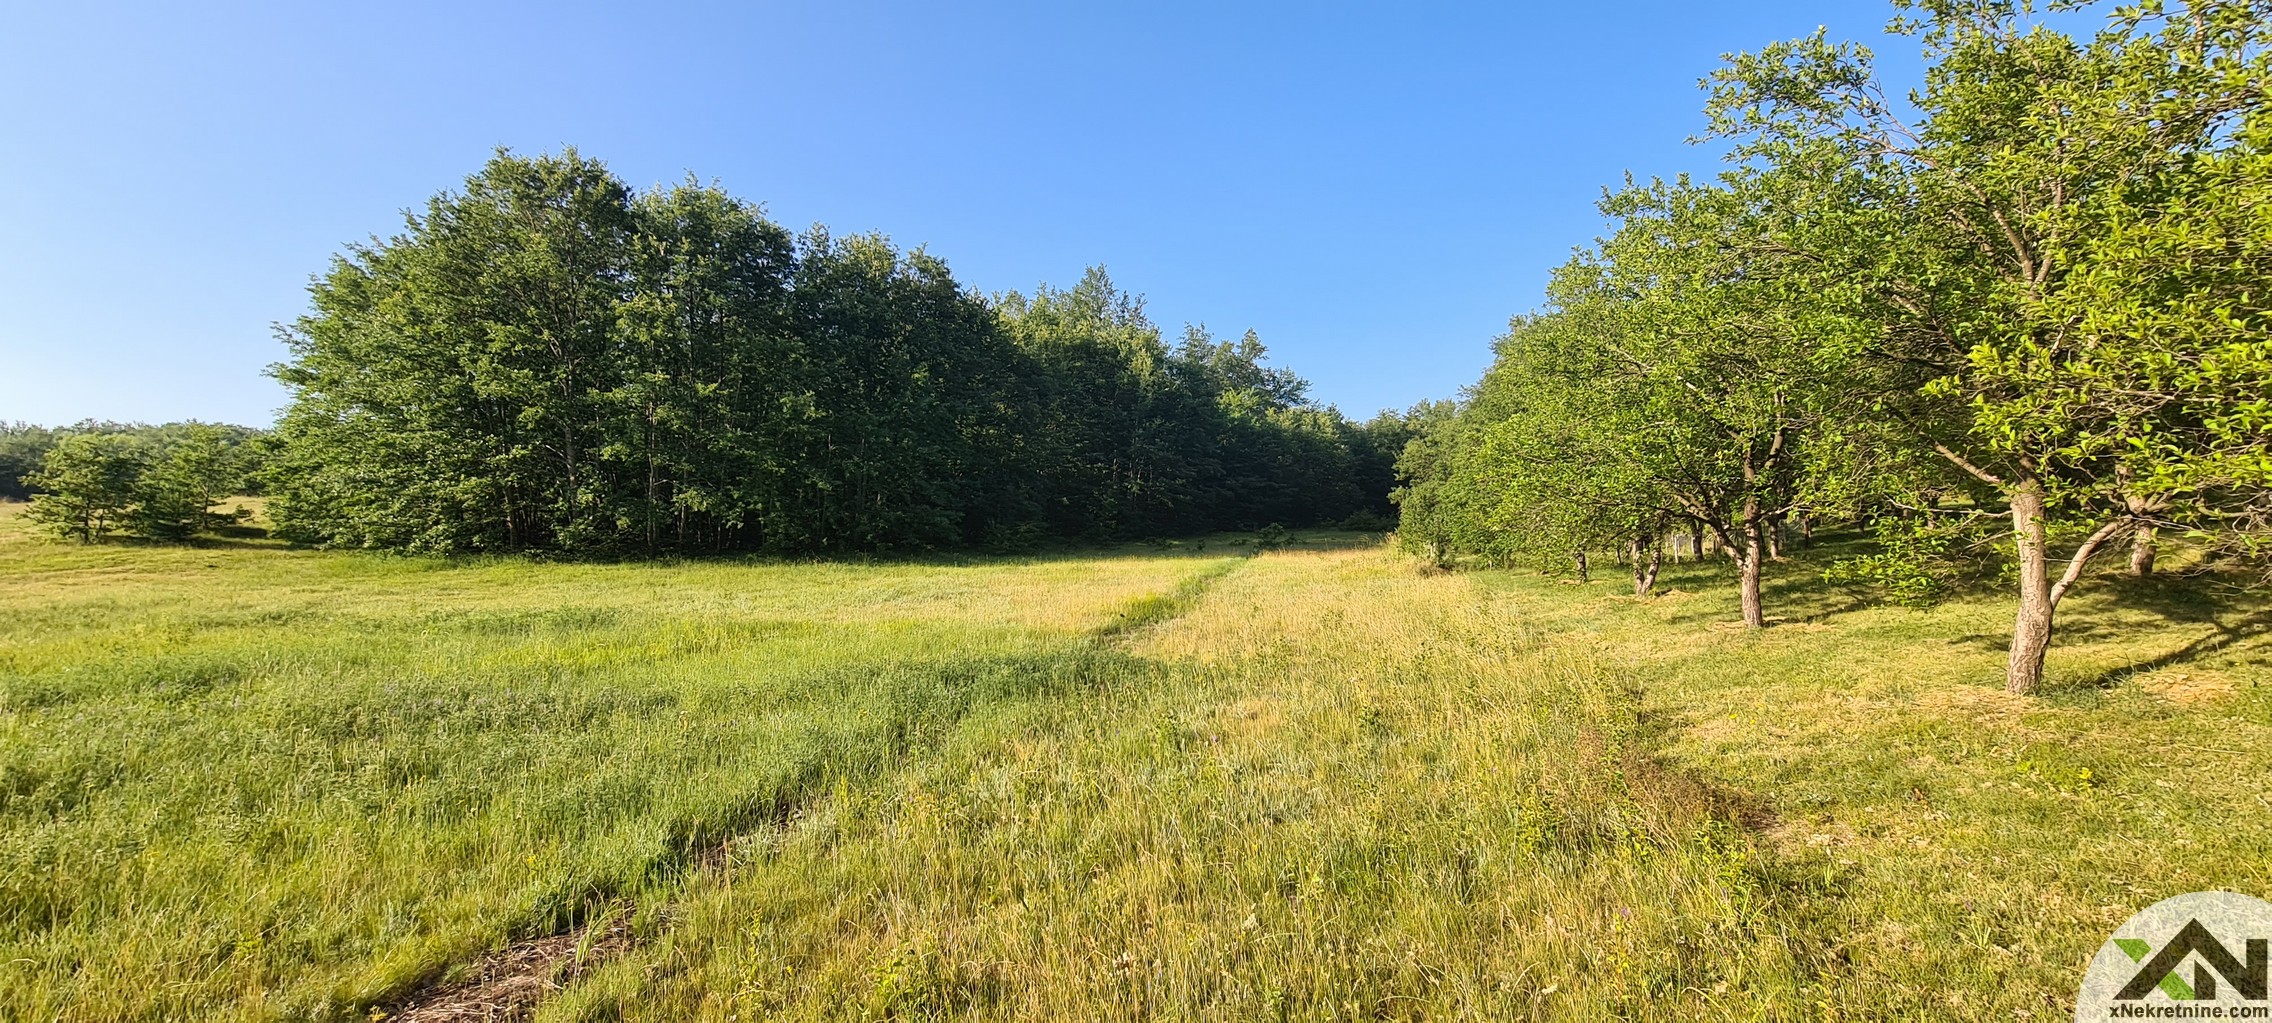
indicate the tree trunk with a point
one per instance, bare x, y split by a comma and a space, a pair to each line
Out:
653, 479
1747, 563
1647, 556
2031, 631
2143, 535
2142, 551
1775, 539
1584, 575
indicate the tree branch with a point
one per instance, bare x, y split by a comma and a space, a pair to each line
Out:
2082, 557
1959, 461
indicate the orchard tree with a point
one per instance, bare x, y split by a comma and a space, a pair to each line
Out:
1429, 519
1696, 361
1557, 488
1985, 234
2170, 295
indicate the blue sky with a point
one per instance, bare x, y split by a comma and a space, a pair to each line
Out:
1374, 188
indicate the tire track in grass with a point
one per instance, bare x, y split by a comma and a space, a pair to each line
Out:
1157, 608
510, 983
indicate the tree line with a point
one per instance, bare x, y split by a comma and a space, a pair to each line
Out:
94, 479
2021, 318
23, 446
548, 360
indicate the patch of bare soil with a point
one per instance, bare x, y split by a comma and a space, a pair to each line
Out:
507, 984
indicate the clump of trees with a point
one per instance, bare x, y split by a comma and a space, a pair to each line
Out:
24, 445
547, 360
157, 483
2033, 313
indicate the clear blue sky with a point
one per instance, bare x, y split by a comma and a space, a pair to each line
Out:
1374, 188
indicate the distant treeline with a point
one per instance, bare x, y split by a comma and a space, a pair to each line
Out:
23, 446
93, 479
548, 360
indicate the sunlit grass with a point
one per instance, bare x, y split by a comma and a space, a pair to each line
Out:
1149, 784
240, 779
1340, 788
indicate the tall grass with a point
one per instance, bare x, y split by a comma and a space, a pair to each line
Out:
1314, 784
242, 781
1342, 789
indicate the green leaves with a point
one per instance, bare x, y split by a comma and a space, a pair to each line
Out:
160, 484
90, 483
2038, 284
547, 361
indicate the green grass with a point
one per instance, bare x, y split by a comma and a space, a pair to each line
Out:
249, 782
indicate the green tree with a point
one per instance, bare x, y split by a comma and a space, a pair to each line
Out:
1438, 511
712, 391
1678, 376
1980, 236
1101, 373
175, 494
88, 484
22, 445
1552, 475
445, 381
544, 360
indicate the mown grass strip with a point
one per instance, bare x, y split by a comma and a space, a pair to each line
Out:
1152, 609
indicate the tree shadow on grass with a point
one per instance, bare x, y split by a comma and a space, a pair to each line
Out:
1792, 590
227, 543
1803, 596
2231, 631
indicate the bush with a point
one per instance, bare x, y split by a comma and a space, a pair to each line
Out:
1367, 520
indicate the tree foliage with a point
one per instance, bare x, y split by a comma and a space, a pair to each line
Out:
2037, 286
154, 483
546, 360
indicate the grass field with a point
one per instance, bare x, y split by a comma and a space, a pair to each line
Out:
245, 782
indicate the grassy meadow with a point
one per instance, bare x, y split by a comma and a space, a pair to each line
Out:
241, 781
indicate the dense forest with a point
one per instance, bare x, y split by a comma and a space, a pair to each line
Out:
548, 360
2007, 326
